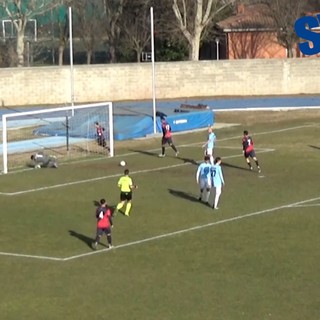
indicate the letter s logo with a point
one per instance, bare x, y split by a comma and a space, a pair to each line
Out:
302, 27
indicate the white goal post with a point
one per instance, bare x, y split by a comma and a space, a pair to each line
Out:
64, 132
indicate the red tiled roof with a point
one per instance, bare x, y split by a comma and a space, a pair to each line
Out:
250, 17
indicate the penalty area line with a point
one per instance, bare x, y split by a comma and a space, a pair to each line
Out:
113, 176
162, 236
9, 254
174, 233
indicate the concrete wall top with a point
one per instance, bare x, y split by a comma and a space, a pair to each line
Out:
117, 82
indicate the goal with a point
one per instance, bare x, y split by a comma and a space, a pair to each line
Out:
68, 133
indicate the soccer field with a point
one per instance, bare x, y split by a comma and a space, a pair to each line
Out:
174, 258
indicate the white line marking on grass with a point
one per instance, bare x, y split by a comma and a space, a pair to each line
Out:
240, 136
284, 108
30, 256
90, 180
180, 146
112, 176
273, 131
306, 205
170, 234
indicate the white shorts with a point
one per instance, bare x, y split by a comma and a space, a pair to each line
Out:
209, 151
205, 183
218, 189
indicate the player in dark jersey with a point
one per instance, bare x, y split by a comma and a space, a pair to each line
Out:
248, 150
100, 134
166, 138
104, 224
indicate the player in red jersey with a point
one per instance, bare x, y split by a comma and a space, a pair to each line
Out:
100, 134
248, 150
166, 138
104, 224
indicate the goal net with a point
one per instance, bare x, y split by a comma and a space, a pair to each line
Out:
67, 133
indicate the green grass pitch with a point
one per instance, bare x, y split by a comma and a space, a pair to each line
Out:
174, 258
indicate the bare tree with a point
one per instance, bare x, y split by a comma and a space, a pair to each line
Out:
284, 14
113, 10
312, 6
63, 34
135, 26
194, 16
90, 28
20, 12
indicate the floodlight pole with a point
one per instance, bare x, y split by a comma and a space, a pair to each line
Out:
71, 61
153, 74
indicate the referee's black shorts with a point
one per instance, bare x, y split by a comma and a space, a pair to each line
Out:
125, 196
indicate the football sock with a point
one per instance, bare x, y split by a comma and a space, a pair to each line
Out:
174, 148
216, 198
257, 163
163, 150
97, 239
109, 239
128, 209
211, 160
119, 206
207, 196
249, 164
216, 201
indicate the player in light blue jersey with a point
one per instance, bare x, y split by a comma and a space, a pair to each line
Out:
217, 180
210, 144
203, 178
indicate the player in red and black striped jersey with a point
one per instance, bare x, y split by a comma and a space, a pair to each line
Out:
166, 138
248, 150
104, 223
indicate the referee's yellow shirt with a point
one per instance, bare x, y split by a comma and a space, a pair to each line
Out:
125, 184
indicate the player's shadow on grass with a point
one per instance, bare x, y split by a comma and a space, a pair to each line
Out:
183, 195
225, 164
87, 240
188, 160
96, 203
314, 147
148, 153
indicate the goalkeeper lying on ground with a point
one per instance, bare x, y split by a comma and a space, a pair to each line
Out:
41, 160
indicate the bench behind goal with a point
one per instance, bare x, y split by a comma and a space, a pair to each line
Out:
68, 133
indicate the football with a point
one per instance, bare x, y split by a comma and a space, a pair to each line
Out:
122, 163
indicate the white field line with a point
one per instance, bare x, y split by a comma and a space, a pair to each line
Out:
180, 146
111, 176
229, 138
273, 131
306, 205
165, 235
30, 256
267, 108
152, 150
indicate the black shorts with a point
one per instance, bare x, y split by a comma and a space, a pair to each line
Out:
165, 141
126, 196
101, 231
250, 154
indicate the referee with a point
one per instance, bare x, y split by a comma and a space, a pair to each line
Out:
126, 185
